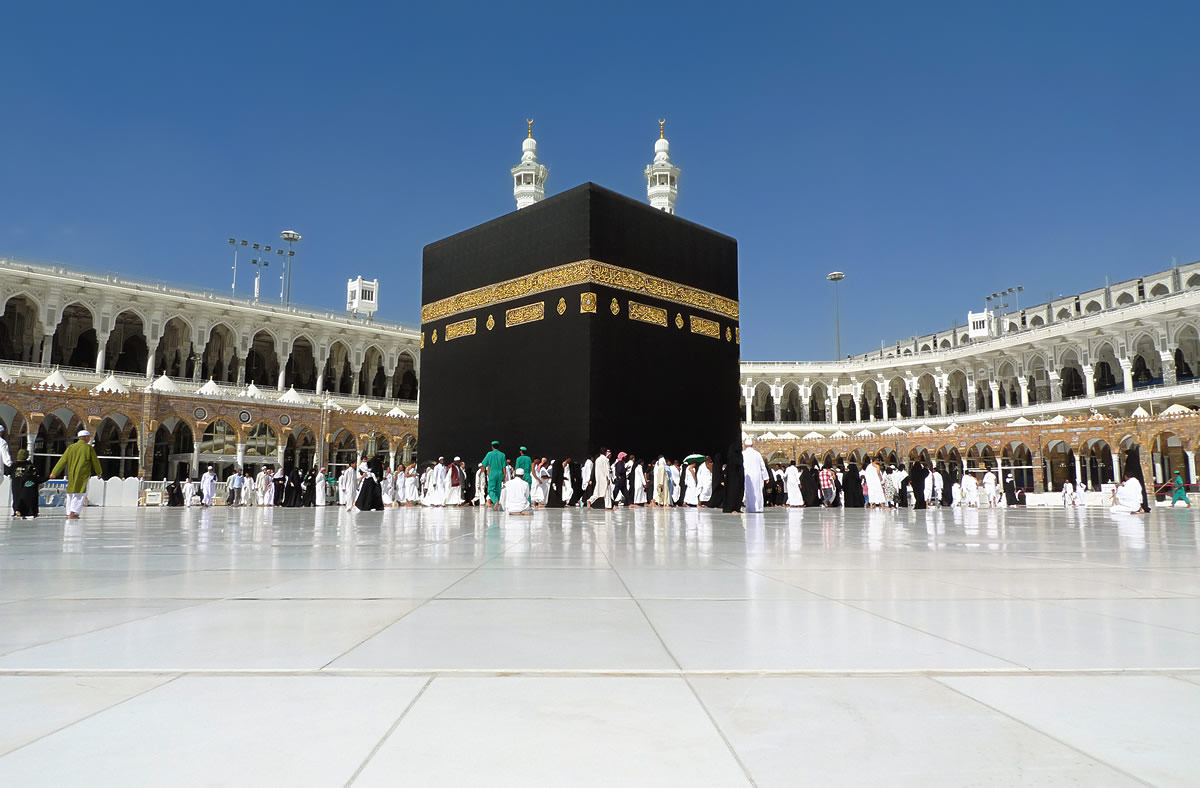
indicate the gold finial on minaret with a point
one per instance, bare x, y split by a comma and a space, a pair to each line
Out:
661, 123
530, 122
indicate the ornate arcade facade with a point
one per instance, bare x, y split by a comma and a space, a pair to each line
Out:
1057, 391
170, 379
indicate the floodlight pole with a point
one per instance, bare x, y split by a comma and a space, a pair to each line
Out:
835, 277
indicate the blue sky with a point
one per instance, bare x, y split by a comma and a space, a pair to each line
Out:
936, 152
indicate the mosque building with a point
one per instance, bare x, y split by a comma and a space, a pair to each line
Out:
169, 379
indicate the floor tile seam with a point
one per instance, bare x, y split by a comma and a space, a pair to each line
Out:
388, 733
375, 633
86, 717
198, 603
721, 732
1029, 726
645, 617
939, 637
1179, 673
470, 572
1060, 604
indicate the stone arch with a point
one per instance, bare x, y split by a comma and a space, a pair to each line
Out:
116, 444
16, 428
1018, 460
791, 404
1063, 314
1147, 363
54, 434
300, 370
373, 375
1167, 457
949, 460
1106, 370
220, 359
175, 354
262, 442
818, 403
1125, 299
1059, 461
1037, 380
126, 350
920, 453
301, 449
1096, 463
343, 451
405, 384
21, 329
218, 447
980, 458
75, 343
956, 392
1070, 373
946, 344
1159, 290
1037, 322
1010, 390
898, 403
762, 406
871, 404
1193, 281
1187, 352
1093, 307
926, 403
262, 360
339, 377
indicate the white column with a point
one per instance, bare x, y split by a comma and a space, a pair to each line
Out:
1055, 387
995, 389
942, 399
1078, 470
1023, 383
47, 346
282, 373
390, 379
1127, 373
391, 459
748, 395
830, 411
101, 350
1191, 464
1089, 380
195, 469
1168, 367
241, 455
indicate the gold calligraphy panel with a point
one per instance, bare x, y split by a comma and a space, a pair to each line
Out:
582, 272
709, 328
648, 314
530, 313
463, 328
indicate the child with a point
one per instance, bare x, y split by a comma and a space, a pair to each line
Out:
25, 481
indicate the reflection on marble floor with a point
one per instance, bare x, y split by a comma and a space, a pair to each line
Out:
638, 647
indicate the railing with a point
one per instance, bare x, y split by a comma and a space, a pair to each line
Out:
55, 269
33, 373
991, 343
1001, 415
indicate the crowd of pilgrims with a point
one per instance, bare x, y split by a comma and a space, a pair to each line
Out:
740, 480
271, 486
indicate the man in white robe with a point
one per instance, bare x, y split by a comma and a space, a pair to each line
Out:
208, 487
585, 479
247, 489
262, 483
704, 480
319, 480
662, 492
989, 488
1127, 497
755, 471
189, 491
516, 494
970, 491
603, 491
348, 487
874, 475
1068, 493
791, 483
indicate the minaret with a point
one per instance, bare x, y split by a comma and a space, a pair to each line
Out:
529, 177
662, 177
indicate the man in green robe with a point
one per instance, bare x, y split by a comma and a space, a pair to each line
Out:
525, 463
494, 461
81, 463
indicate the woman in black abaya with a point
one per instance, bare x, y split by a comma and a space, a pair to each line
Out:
852, 496
735, 481
810, 487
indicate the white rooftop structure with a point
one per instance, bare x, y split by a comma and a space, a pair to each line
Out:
662, 177
529, 177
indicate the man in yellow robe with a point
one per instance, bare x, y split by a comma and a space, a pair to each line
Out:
81, 463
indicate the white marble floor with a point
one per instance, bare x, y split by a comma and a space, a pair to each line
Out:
645, 647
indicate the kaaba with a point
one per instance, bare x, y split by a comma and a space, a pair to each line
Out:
586, 320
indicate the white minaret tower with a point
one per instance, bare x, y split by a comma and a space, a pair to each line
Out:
662, 177
529, 177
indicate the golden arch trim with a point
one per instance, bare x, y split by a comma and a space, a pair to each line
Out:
530, 313
578, 273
